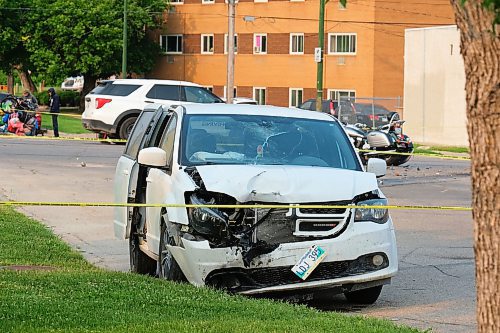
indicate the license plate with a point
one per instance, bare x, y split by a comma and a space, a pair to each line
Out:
309, 262
383, 118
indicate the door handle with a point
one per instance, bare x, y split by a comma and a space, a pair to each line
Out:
125, 172
148, 102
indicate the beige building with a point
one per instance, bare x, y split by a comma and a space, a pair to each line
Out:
363, 57
434, 87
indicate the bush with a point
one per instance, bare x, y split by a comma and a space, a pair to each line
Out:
69, 98
42, 97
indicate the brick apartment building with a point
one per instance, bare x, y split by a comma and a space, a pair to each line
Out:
364, 46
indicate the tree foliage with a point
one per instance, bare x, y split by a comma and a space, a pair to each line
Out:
69, 37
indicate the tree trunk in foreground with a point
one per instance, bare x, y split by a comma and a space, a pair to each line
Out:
480, 48
89, 83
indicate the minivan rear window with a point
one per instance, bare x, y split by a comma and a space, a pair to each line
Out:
117, 89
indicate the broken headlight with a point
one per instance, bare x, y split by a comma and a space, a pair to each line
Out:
205, 220
377, 215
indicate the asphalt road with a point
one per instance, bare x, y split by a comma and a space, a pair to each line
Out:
434, 288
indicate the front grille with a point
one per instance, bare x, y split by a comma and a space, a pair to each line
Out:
317, 226
323, 211
283, 275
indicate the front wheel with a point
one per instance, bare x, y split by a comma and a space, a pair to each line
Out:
167, 266
364, 296
126, 127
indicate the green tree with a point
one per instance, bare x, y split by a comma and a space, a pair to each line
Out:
13, 55
84, 37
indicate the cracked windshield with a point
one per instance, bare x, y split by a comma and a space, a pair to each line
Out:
256, 139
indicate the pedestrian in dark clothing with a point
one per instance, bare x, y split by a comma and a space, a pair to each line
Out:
28, 96
54, 104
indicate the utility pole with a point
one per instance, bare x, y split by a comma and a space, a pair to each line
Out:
230, 52
124, 54
321, 43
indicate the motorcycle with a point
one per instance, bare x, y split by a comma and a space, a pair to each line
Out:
388, 138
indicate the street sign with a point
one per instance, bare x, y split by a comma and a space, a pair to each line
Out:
317, 54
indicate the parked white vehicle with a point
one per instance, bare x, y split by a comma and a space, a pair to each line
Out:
73, 83
114, 105
253, 155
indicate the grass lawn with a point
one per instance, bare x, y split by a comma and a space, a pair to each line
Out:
439, 150
78, 297
67, 124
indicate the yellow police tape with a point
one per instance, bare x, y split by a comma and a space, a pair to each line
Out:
123, 141
49, 113
274, 206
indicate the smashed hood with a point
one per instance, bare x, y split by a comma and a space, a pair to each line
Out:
286, 184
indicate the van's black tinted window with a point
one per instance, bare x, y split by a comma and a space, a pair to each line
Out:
117, 89
161, 91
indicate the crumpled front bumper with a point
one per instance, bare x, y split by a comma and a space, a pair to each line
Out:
199, 261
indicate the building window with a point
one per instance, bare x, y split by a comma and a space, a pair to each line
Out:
340, 94
209, 88
342, 6
341, 43
235, 43
259, 94
207, 44
207, 2
259, 43
296, 43
235, 90
176, 2
295, 99
171, 44
259, 0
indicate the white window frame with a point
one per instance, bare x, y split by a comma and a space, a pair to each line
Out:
291, 92
254, 95
297, 0
334, 93
171, 52
235, 1
226, 41
207, 2
255, 44
342, 34
296, 34
235, 91
203, 36
257, 1
209, 88
176, 2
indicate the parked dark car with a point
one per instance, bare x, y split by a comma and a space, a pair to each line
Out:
372, 115
346, 111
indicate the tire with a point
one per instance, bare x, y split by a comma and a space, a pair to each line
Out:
364, 296
139, 261
168, 268
397, 159
126, 127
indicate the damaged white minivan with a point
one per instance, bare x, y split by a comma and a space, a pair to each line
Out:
253, 200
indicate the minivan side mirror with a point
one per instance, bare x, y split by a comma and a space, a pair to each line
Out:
377, 166
153, 157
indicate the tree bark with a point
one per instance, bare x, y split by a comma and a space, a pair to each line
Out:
88, 84
10, 83
480, 48
25, 78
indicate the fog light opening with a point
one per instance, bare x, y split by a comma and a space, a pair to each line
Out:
378, 260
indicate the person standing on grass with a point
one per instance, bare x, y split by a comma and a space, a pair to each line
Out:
54, 104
